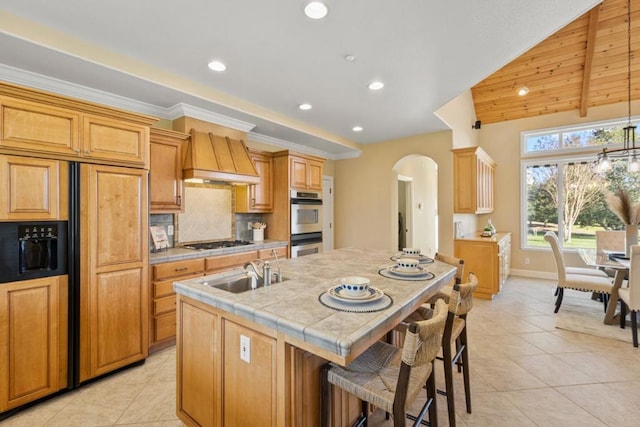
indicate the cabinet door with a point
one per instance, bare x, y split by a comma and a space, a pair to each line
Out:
36, 127
114, 269
33, 336
258, 368
33, 189
298, 173
199, 395
314, 181
115, 140
261, 195
480, 258
165, 171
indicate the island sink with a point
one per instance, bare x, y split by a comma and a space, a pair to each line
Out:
238, 283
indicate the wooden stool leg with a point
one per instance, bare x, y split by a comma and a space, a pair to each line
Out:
448, 379
465, 368
634, 327
433, 395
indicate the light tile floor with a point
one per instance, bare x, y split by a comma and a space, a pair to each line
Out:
524, 372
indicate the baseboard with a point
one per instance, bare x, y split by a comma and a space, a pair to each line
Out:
534, 274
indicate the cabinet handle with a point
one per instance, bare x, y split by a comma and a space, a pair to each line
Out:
77, 150
253, 202
179, 200
86, 151
180, 269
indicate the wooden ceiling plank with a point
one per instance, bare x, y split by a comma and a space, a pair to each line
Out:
588, 60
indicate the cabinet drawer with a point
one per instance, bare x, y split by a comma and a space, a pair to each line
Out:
164, 326
164, 305
229, 261
178, 268
266, 253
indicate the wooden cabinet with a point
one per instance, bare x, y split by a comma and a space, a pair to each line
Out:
114, 268
249, 358
165, 171
42, 124
220, 263
473, 181
33, 339
267, 254
114, 140
38, 127
162, 318
33, 189
305, 173
198, 354
488, 258
257, 197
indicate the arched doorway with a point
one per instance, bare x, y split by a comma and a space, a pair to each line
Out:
417, 207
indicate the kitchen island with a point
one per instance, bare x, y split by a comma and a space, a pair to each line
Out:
253, 358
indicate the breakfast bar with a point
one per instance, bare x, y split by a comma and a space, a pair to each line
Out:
253, 357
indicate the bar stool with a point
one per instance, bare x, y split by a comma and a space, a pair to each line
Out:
455, 331
390, 377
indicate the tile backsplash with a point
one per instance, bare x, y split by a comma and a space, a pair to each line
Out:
208, 214
242, 225
165, 221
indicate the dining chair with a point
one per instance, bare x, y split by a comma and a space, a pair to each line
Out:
458, 263
612, 241
573, 279
455, 333
391, 377
630, 296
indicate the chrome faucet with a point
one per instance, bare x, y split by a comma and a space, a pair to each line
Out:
265, 274
279, 273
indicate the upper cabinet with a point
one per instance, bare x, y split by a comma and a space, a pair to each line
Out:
473, 181
305, 173
165, 171
32, 189
38, 123
257, 197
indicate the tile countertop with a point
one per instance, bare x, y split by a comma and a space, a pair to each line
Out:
292, 307
177, 254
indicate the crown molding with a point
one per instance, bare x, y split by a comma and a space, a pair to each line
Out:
183, 109
61, 87
258, 137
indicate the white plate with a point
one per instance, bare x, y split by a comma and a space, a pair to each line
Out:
422, 258
418, 271
373, 294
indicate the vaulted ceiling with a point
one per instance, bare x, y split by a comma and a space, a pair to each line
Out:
583, 65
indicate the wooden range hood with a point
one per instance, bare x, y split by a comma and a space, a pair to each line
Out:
218, 158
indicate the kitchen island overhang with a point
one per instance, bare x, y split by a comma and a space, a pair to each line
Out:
290, 318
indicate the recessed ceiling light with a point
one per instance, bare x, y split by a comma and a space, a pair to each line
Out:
376, 85
316, 10
217, 66
304, 106
357, 128
349, 58
523, 91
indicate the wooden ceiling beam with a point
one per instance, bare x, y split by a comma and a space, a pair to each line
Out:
588, 60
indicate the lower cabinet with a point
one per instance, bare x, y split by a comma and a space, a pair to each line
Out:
489, 258
33, 339
162, 323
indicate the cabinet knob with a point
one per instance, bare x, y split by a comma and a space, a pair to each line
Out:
77, 150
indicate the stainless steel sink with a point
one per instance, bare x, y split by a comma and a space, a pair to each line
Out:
236, 283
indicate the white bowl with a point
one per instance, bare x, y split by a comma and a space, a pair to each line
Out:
355, 286
407, 264
411, 251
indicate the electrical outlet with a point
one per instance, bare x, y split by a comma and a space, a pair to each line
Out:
245, 348
170, 230
526, 261
249, 226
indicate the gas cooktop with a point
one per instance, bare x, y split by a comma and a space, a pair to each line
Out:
217, 244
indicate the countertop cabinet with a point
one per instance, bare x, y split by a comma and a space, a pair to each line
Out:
473, 181
489, 258
162, 319
33, 363
305, 173
165, 171
257, 198
33, 189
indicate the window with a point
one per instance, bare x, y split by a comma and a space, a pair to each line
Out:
562, 191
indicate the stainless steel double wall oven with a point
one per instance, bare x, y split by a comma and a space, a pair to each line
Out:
306, 223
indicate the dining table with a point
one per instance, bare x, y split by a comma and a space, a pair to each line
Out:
619, 264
